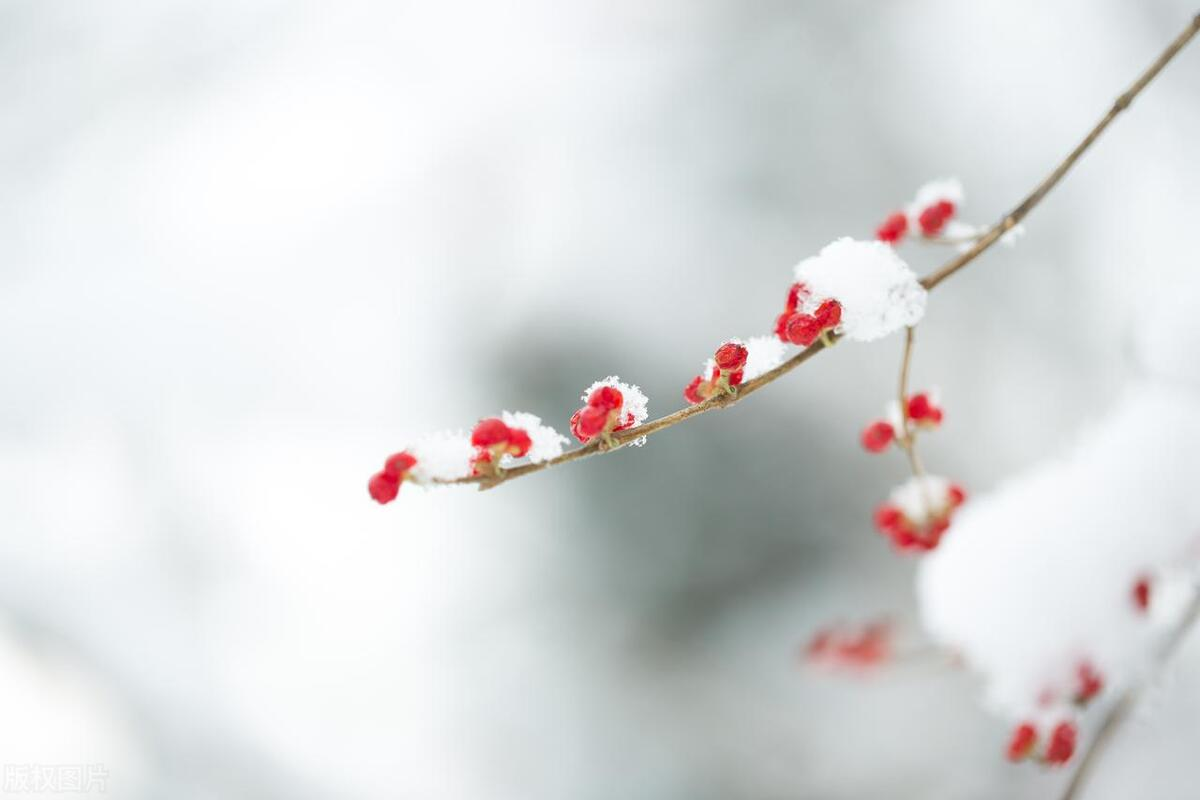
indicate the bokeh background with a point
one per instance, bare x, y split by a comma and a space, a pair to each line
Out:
247, 249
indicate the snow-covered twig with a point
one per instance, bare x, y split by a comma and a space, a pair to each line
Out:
984, 242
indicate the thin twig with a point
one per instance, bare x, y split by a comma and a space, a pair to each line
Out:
1121, 710
929, 282
905, 436
1043, 188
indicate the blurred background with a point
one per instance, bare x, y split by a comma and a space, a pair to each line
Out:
248, 249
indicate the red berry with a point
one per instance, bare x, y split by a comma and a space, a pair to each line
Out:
803, 329
1062, 743
731, 356
796, 293
692, 393
918, 406
877, 436
893, 228
384, 487
592, 421
829, 313
956, 495
489, 432
518, 442
888, 518
933, 218
1141, 593
1090, 683
781, 325
607, 398
735, 377
1024, 738
399, 464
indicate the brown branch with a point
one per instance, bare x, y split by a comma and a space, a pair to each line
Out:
1051, 180
929, 282
1121, 710
905, 436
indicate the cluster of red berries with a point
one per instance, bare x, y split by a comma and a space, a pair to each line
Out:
846, 647
385, 484
492, 439
1059, 746
919, 534
729, 364
801, 328
921, 413
930, 221
601, 416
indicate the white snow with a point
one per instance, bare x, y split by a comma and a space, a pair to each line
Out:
765, 353
444, 456
878, 292
1038, 574
547, 442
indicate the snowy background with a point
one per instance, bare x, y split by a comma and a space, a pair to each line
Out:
247, 249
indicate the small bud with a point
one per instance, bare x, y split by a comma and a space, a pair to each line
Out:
383, 487
1089, 684
877, 436
399, 464
829, 314
1141, 593
893, 228
488, 432
607, 398
1062, 744
731, 356
1024, 739
803, 329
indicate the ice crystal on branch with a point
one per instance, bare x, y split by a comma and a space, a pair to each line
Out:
610, 406
876, 292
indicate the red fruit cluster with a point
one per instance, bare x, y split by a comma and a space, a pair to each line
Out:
1088, 683
844, 647
727, 373
385, 484
800, 328
921, 413
1060, 745
917, 536
601, 416
1141, 593
930, 221
492, 439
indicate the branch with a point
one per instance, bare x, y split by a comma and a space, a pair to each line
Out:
1121, 710
930, 282
905, 437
